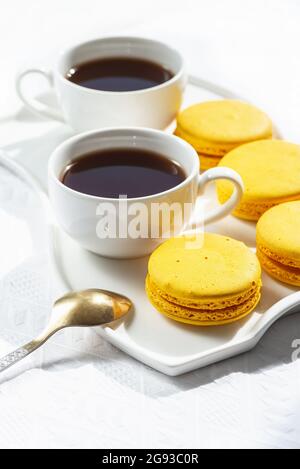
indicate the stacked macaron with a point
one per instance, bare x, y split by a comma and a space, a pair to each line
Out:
214, 128
278, 242
215, 283
270, 171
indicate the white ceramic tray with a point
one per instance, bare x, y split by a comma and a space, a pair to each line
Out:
165, 345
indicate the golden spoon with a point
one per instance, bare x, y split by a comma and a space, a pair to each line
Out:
87, 308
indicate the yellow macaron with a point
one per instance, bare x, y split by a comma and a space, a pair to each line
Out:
270, 171
214, 128
211, 284
278, 242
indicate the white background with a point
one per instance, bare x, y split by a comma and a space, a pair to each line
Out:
252, 47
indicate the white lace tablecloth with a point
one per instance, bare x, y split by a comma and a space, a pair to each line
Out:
79, 391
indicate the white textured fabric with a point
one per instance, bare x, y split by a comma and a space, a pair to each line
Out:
78, 391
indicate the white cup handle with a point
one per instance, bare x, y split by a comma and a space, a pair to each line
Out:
33, 104
223, 210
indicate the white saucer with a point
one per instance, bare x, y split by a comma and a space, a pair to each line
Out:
165, 345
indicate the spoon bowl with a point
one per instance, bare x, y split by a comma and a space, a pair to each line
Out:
90, 308
87, 308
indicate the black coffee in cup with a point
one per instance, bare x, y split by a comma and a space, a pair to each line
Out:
122, 172
119, 74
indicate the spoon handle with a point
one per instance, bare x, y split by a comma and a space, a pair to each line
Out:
17, 355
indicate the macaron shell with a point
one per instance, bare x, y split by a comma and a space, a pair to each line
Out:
216, 127
206, 304
251, 210
247, 210
202, 318
220, 266
278, 234
269, 168
204, 146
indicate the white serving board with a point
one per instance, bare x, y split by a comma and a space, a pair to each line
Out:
163, 344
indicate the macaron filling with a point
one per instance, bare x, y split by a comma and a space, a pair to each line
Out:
201, 316
284, 273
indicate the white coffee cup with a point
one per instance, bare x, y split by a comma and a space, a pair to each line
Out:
87, 109
78, 213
